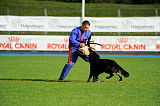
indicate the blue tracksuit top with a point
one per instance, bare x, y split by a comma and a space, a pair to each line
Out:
75, 37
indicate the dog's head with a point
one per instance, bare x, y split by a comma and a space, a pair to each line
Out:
84, 50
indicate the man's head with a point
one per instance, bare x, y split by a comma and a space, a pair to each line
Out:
85, 25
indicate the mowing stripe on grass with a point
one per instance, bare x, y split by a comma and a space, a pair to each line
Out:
65, 55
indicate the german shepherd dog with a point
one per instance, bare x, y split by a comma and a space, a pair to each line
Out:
98, 66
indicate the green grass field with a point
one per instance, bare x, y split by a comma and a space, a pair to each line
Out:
26, 81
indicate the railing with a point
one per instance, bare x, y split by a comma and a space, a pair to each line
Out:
89, 12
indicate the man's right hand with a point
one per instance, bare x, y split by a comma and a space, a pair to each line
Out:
82, 44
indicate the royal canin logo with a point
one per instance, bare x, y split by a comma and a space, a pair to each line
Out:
13, 39
66, 39
122, 40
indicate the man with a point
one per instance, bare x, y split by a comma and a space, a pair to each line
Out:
78, 38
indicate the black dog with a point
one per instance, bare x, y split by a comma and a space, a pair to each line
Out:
98, 66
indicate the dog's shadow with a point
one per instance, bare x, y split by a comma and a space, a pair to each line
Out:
30, 80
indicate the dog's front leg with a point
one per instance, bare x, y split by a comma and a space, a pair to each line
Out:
90, 76
91, 73
95, 77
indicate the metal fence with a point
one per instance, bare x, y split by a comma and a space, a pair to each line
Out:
89, 12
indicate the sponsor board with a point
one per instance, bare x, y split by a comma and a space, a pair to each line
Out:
60, 43
128, 43
66, 24
24, 42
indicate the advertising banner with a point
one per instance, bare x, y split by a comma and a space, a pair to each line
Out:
67, 24
60, 43
24, 42
128, 43
38, 23
125, 24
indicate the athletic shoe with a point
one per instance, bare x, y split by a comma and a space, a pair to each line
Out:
60, 80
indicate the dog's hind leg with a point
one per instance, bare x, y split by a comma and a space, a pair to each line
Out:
111, 75
120, 78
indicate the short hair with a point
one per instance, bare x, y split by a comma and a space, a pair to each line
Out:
86, 23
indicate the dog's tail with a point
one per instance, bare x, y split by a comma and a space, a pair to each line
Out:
122, 71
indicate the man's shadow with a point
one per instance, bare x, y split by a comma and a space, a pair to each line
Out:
31, 80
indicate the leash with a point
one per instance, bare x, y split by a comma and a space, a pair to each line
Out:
85, 51
95, 43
